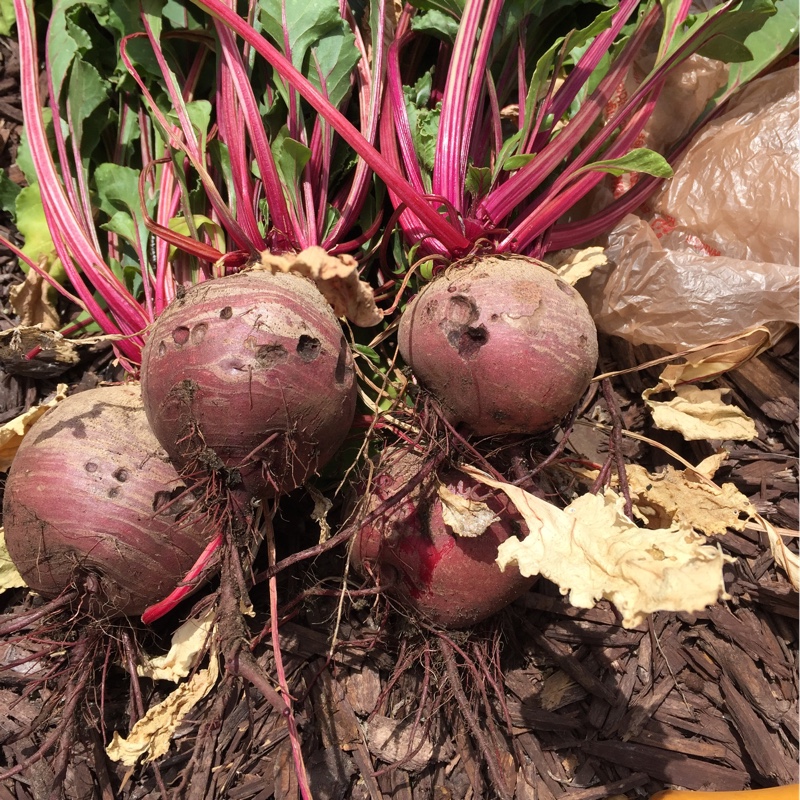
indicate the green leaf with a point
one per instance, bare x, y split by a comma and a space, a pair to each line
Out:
7, 17
777, 36
638, 160
122, 16
87, 92
419, 94
130, 275
734, 27
453, 7
426, 270
436, 23
32, 224
479, 180
123, 225
423, 121
69, 36
518, 162
202, 224
8, 194
118, 197
334, 57
183, 16
368, 352
291, 158
314, 25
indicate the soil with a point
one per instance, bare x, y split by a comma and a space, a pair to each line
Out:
543, 701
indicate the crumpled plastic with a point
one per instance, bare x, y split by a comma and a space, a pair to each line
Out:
718, 255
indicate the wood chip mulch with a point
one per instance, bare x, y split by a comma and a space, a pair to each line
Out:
581, 709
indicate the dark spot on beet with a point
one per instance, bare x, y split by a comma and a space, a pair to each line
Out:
113, 492
494, 317
180, 335
308, 348
199, 332
160, 499
459, 328
90, 466
468, 341
565, 287
461, 310
121, 474
268, 355
162, 349
583, 339
167, 497
226, 312
500, 416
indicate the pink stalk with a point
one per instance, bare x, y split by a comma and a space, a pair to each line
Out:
477, 83
273, 190
78, 202
588, 62
414, 229
397, 109
185, 139
163, 607
74, 246
553, 205
447, 172
370, 77
169, 195
232, 133
513, 192
571, 234
440, 228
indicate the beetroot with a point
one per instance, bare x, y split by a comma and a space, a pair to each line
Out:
503, 344
451, 581
250, 373
93, 501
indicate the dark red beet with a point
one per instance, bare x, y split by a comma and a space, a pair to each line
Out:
89, 502
503, 344
451, 581
250, 373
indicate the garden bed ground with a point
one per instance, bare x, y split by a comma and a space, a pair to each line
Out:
591, 710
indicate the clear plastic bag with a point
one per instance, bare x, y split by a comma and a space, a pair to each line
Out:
719, 253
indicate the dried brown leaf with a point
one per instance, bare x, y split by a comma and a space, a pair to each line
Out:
187, 642
9, 576
678, 496
151, 735
465, 517
335, 276
593, 551
700, 414
12, 433
33, 301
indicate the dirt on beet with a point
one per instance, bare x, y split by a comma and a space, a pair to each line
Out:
542, 701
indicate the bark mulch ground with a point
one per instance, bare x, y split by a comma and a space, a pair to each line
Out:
575, 706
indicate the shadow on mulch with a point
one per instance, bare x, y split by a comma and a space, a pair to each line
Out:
588, 709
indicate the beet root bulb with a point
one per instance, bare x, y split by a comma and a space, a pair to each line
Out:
250, 374
503, 344
451, 581
92, 501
